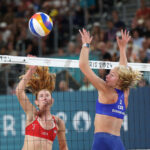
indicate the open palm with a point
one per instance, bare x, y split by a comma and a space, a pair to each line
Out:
124, 39
85, 35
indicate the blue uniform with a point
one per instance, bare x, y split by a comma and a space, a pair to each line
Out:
106, 141
115, 110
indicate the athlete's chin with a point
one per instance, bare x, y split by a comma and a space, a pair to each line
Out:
107, 83
45, 106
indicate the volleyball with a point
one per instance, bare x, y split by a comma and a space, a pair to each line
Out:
40, 24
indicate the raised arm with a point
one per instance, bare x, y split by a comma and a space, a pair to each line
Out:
122, 43
61, 135
27, 106
84, 62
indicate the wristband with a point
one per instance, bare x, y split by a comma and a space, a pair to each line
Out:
86, 45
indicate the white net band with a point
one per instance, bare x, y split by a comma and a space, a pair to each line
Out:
68, 63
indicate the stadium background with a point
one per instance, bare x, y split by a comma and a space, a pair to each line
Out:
104, 19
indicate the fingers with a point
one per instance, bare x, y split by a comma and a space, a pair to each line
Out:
128, 34
86, 37
81, 33
122, 34
84, 32
117, 38
129, 38
118, 41
29, 55
91, 38
88, 33
125, 35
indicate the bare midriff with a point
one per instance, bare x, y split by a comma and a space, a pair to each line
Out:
108, 124
36, 143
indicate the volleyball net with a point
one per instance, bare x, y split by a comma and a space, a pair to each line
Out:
74, 102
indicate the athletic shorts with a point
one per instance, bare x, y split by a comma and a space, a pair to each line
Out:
106, 141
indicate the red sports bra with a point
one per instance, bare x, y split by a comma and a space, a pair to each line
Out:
35, 129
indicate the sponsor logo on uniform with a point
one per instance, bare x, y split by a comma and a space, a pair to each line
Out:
33, 126
44, 133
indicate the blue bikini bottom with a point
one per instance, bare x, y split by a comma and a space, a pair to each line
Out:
106, 141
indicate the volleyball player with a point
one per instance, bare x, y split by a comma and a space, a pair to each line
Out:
112, 94
41, 126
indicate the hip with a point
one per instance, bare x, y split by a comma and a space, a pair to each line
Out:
107, 141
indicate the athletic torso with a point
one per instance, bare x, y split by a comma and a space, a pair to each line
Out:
39, 136
108, 120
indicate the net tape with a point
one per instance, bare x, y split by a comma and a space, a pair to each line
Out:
66, 63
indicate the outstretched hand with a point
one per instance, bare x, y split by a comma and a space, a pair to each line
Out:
33, 68
124, 39
85, 36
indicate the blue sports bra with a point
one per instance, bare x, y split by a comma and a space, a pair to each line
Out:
115, 110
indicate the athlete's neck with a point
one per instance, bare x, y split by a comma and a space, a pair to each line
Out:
117, 87
45, 115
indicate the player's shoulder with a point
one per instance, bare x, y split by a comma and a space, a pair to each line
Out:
60, 123
58, 120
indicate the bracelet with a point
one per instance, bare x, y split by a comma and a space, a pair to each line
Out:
86, 45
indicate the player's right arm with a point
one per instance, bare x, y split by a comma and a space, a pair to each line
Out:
97, 82
27, 106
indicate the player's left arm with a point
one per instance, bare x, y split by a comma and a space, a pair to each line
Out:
126, 95
61, 135
122, 43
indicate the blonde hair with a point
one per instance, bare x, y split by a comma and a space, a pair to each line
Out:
128, 77
41, 79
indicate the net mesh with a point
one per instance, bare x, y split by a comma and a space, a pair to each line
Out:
73, 102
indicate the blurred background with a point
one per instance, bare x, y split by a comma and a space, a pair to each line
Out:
103, 18
74, 95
